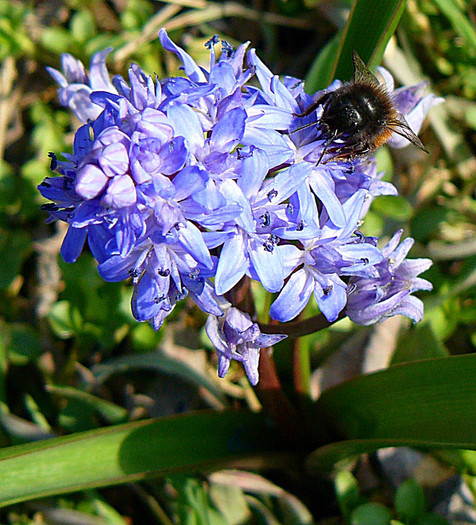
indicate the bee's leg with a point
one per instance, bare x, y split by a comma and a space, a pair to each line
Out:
352, 151
314, 105
325, 148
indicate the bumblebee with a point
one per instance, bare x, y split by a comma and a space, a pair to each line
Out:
361, 115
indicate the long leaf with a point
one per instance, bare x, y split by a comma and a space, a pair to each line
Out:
460, 22
130, 452
428, 403
369, 27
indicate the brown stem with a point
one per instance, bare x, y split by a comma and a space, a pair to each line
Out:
300, 328
276, 405
269, 390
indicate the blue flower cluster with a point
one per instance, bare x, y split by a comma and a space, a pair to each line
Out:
188, 184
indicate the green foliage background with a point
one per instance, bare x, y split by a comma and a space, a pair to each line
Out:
73, 360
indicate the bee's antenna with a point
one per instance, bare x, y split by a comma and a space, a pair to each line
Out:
326, 145
303, 127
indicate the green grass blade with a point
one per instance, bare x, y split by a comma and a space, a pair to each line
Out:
428, 403
130, 452
459, 20
322, 70
328, 457
160, 362
368, 30
112, 413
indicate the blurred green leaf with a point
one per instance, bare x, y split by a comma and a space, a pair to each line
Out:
160, 362
136, 15
432, 519
106, 511
428, 403
112, 413
131, 452
231, 503
22, 342
57, 40
13, 39
83, 26
374, 223
368, 30
8, 186
102, 41
35, 171
418, 343
409, 501
347, 491
393, 207
427, 221
3, 368
290, 7
104, 307
371, 513
144, 338
49, 131
460, 22
385, 162
14, 247
77, 416
322, 68
65, 320
194, 505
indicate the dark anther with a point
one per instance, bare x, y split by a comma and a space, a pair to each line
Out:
134, 272
213, 41
240, 155
54, 161
193, 275
163, 272
327, 290
49, 206
227, 49
272, 194
265, 219
360, 235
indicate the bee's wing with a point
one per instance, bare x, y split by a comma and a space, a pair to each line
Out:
361, 72
400, 126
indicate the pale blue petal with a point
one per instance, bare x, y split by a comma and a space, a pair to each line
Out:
331, 303
268, 265
190, 67
253, 170
327, 196
287, 182
192, 241
228, 132
186, 124
411, 307
232, 264
293, 297
270, 117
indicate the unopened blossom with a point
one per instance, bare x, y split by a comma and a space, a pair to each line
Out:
235, 336
388, 291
